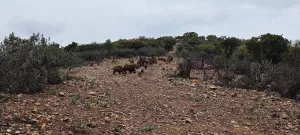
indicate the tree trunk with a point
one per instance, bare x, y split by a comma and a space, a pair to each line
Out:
185, 69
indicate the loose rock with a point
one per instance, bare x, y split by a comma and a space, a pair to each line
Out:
107, 119
188, 120
61, 94
17, 132
212, 87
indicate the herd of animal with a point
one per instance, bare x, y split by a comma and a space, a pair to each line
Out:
142, 62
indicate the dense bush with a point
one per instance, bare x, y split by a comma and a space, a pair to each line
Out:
93, 55
230, 45
125, 53
152, 51
287, 83
209, 49
21, 64
267, 46
124, 48
263, 74
54, 77
26, 65
219, 61
71, 47
89, 47
264, 62
240, 63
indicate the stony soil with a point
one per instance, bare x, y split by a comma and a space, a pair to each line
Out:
97, 102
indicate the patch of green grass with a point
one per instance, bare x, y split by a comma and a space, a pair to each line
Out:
77, 78
147, 128
53, 92
87, 106
204, 110
103, 104
35, 98
258, 108
75, 99
195, 99
80, 124
117, 130
92, 84
16, 117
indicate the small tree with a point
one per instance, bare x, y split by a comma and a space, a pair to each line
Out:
230, 44
21, 67
108, 46
268, 46
71, 61
253, 48
26, 65
262, 73
191, 38
273, 46
211, 38
71, 47
201, 38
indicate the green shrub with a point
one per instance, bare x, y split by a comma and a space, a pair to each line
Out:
21, 64
227, 79
125, 53
152, 51
240, 63
267, 46
26, 65
93, 55
219, 61
209, 49
54, 77
287, 82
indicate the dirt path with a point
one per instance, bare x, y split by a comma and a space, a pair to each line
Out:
151, 104
174, 49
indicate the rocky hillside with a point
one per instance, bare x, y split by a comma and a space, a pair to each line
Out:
97, 102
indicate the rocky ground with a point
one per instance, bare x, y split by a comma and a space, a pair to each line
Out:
97, 102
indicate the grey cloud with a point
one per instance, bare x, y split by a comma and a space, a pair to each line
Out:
273, 3
97, 20
25, 26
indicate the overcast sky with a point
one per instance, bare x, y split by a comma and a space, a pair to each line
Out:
85, 21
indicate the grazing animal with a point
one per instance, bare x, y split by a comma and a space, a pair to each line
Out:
169, 59
142, 63
136, 66
152, 60
131, 61
92, 64
142, 60
140, 73
118, 69
130, 68
162, 59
